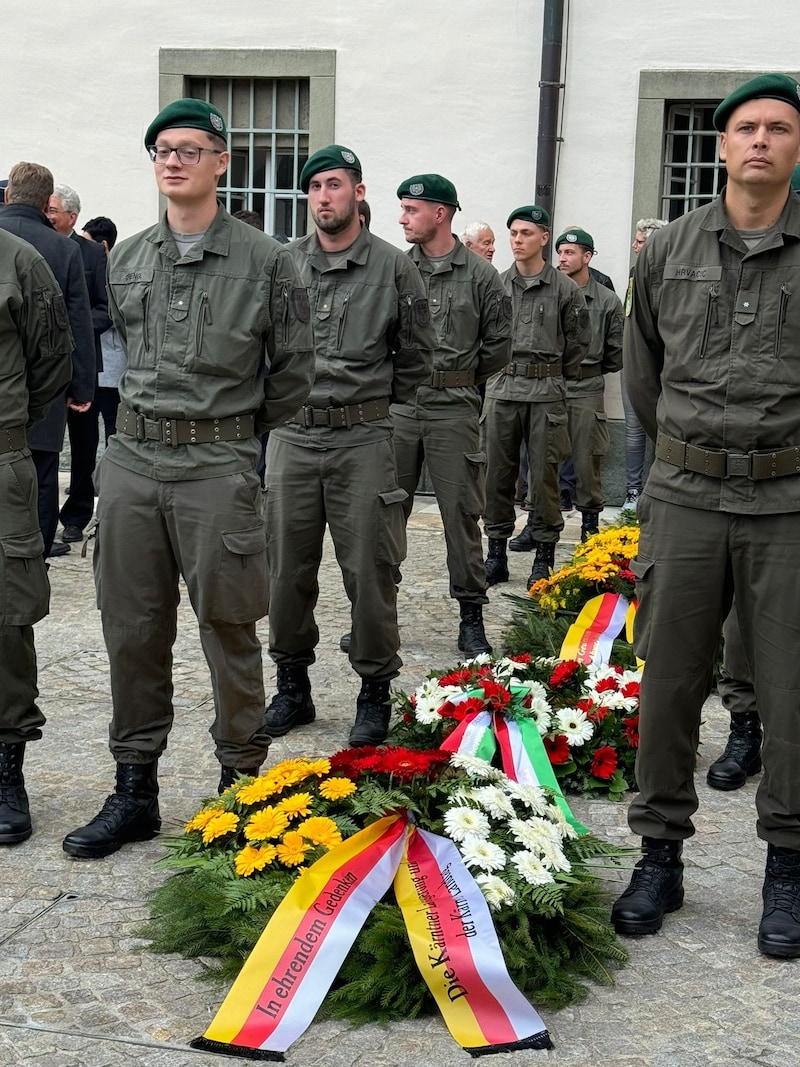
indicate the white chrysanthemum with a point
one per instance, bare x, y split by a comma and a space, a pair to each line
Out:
567, 830
480, 659
532, 796
463, 823
535, 833
429, 698
575, 726
616, 701
553, 858
531, 868
546, 661
498, 893
478, 852
494, 800
475, 767
541, 713
536, 690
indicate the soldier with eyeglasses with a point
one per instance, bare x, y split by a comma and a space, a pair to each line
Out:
205, 306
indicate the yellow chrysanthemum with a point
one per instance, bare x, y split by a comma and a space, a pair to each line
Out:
202, 818
255, 792
224, 823
292, 850
265, 824
336, 788
295, 805
320, 831
318, 767
253, 859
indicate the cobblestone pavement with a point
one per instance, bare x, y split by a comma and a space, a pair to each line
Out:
77, 990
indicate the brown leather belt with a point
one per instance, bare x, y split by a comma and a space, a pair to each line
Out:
343, 418
534, 370
594, 370
451, 379
12, 439
757, 466
174, 432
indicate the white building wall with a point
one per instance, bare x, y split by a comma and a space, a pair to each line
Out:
450, 85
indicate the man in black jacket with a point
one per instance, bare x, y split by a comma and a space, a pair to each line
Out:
63, 210
30, 187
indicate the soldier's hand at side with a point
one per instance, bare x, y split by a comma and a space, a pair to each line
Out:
73, 405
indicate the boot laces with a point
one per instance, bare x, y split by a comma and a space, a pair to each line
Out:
117, 806
650, 876
783, 894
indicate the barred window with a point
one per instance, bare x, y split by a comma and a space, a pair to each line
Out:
692, 173
268, 129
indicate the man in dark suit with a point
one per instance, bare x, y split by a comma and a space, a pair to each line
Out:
63, 210
28, 194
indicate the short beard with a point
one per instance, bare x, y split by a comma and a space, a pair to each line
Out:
336, 225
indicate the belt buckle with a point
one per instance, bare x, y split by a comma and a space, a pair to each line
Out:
738, 465
308, 415
141, 430
437, 379
169, 432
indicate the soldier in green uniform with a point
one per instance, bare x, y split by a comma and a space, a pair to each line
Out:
35, 367
526, 401
334, 461
711, 357
216, 327
472, 317
588, 430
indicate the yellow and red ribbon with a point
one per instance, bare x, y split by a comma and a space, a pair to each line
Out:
591, 636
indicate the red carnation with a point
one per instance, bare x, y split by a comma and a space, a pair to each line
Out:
523, 657
497, 695
563, 672
631, 727
557, 748
631, 689
604, 762
460, 677
607, 685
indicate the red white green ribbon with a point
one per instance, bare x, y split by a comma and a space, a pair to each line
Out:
291, 968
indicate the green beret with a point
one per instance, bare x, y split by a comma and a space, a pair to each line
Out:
189, 114
576, 237
333, 157
530, 213
765, 86
795, 181
429, 187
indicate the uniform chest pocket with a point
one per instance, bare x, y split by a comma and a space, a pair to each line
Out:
132, 292
220, 338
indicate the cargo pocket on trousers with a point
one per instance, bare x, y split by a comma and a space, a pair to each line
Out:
642, 569
558, 447
23, 579
241, 585
391, 547
473, 501
600, 438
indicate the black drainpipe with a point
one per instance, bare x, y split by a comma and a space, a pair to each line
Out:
550, 87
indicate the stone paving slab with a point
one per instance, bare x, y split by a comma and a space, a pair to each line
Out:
78, 990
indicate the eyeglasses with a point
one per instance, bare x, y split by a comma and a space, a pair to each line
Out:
57, 211
187, 153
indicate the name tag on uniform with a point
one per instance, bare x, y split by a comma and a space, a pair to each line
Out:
691, 272
134, 277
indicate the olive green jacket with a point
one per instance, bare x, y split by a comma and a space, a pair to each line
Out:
606, 320
35, 338
373, 338
222, 331
712, 353
471, 314
550, 324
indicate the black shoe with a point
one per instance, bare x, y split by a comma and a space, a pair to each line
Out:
15, 815
344, 641
72, 533
779, 929
59, 548
544, 561
566, 500
656, 887
129, 814
471, 634
742, 755
292, 705
496, 562
524, 541
373, 712
589, 525
229, 775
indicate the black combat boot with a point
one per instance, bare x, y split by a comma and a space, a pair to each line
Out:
292, 705
589, 524
524, 541
229, 775
496, 561
129, 814
344, 641
779, 930
372, 713
742, 755
656, 888
471, 634
544, 561
15, 815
